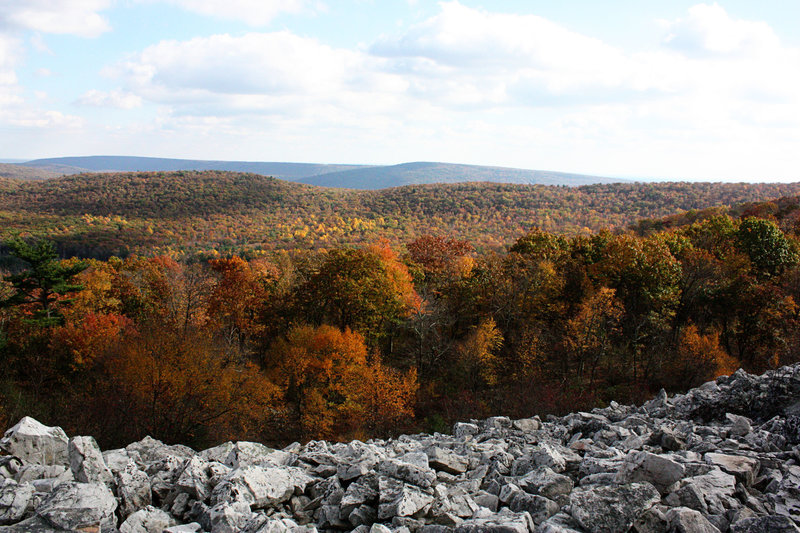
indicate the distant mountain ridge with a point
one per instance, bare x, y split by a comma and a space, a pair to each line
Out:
420, 173
114, 163
339, 176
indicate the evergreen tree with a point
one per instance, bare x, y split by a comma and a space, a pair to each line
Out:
44, 283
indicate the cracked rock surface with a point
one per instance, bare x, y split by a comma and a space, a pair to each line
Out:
724, 457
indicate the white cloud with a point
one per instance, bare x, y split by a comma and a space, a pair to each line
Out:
252, 12
709, 29
73, 17
266, 73
117, 98
470, 85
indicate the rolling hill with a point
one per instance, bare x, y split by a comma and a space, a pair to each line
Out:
287, 171
188, 212
338, 176
423, 172
14, 171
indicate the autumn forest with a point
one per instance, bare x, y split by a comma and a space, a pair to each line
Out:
241, 307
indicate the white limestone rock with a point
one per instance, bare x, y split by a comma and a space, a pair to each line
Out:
86, 461
35, 443
73, 506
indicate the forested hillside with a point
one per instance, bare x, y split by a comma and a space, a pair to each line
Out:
13, 171
360, 341
340, 176
179, 213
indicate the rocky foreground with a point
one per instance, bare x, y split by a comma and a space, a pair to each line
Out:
723, 457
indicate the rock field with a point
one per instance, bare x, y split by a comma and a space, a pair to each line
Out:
723, 457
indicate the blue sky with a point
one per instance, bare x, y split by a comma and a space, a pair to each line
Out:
635, 88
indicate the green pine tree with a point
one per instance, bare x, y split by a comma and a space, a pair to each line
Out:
43, 283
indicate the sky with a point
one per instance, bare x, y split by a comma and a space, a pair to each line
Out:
625, 88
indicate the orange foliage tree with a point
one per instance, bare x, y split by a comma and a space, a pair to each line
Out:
183, 388
333, 386
237, 298
589, 334
697, 359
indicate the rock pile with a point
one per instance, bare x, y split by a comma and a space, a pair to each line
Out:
723, 457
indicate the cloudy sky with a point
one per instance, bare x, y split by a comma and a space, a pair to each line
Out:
633, 88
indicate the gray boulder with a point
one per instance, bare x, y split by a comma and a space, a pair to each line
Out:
507, 522
745, 469
400, 499
684, 520
765, 524
260, 487
546, 482
447, 461
659, 470
14, 500
609, 509
132, 489
33, 442
86, 461
147, 520
73, 506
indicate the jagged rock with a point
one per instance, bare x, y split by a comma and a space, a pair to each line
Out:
539, 507
74, 506
229, 517
465, 429
14, 500
547, 455
400, 499
358, 493
363, 515
684, 520
195, 479
527, 424
484, 499
560, 523
148, 520
546, 482
715, 487
447, 461
33, 472
765, 524
9, 466
132, 489
150, 451
192, 527
245, 453
723, 455
86, 461
259, 486
740, 425
217, 454
658, 470
284, 525
34, 524
35, 443
611, 508
408, 472
745, 469
500, 523
651, 521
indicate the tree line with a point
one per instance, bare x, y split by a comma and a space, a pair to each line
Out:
354, 342
216, 214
